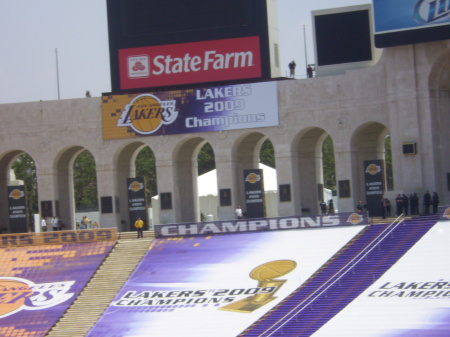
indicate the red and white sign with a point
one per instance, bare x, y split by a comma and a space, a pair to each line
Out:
195, 62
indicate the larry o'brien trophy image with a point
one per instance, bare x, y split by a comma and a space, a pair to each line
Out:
265, 275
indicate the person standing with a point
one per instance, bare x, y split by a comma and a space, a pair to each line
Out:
387, 203
360, 207
55, 223
43, 225
435, 202
238, 212
330, 207
292, 66
309, 71
427, 202
86, 222
405, 204
323, 207
139, 224
399, 204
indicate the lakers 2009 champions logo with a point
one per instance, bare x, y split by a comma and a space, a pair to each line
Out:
145, 114
18, 294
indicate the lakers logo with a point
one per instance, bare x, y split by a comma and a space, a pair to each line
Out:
16, 194
253, 178
18, 294
373, 169
145, 114
355, 218
447, 213
13, 293
136, 186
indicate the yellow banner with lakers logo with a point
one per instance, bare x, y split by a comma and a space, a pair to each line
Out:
232, 107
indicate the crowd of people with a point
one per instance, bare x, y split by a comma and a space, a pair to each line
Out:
410, 205
55, 224
327, 209
309, 70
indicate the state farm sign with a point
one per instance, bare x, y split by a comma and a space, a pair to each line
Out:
185, 63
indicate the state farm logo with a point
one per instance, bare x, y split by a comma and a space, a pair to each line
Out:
17, 294
145, 114
138, 66
193, 62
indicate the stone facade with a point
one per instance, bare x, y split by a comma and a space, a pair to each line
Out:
406, 94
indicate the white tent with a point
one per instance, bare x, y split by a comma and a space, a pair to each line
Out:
207, 183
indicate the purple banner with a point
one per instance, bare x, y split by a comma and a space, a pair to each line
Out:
216, 285
38, 284
232, 107
260, 225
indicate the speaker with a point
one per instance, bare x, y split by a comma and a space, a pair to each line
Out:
409, 148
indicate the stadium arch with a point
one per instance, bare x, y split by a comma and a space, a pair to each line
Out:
367, 143
405, 94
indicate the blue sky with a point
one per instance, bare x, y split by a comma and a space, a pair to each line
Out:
31, 31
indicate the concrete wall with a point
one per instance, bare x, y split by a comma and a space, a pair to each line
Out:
406, 95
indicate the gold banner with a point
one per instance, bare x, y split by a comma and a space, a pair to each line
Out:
57, 238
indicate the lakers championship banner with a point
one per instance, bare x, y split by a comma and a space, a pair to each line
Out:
260, 225
137, 201
254, 193
17, 209
57, 238
39, 283
374, 180
215, 285
232, 107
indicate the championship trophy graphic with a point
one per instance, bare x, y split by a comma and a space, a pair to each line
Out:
265, 274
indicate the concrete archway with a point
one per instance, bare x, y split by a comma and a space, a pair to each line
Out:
367, 143
307, 151
245, 154
6, 161
439, 86
64, 205
124, 162
185, 179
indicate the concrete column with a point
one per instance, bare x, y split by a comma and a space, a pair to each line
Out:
287, 174
165, 170
105, 175
345, 170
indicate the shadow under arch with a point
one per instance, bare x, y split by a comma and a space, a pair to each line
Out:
308, 169
124, 163
439, 87
185, 198
367, 143
6, 161
245, 155
64, 198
